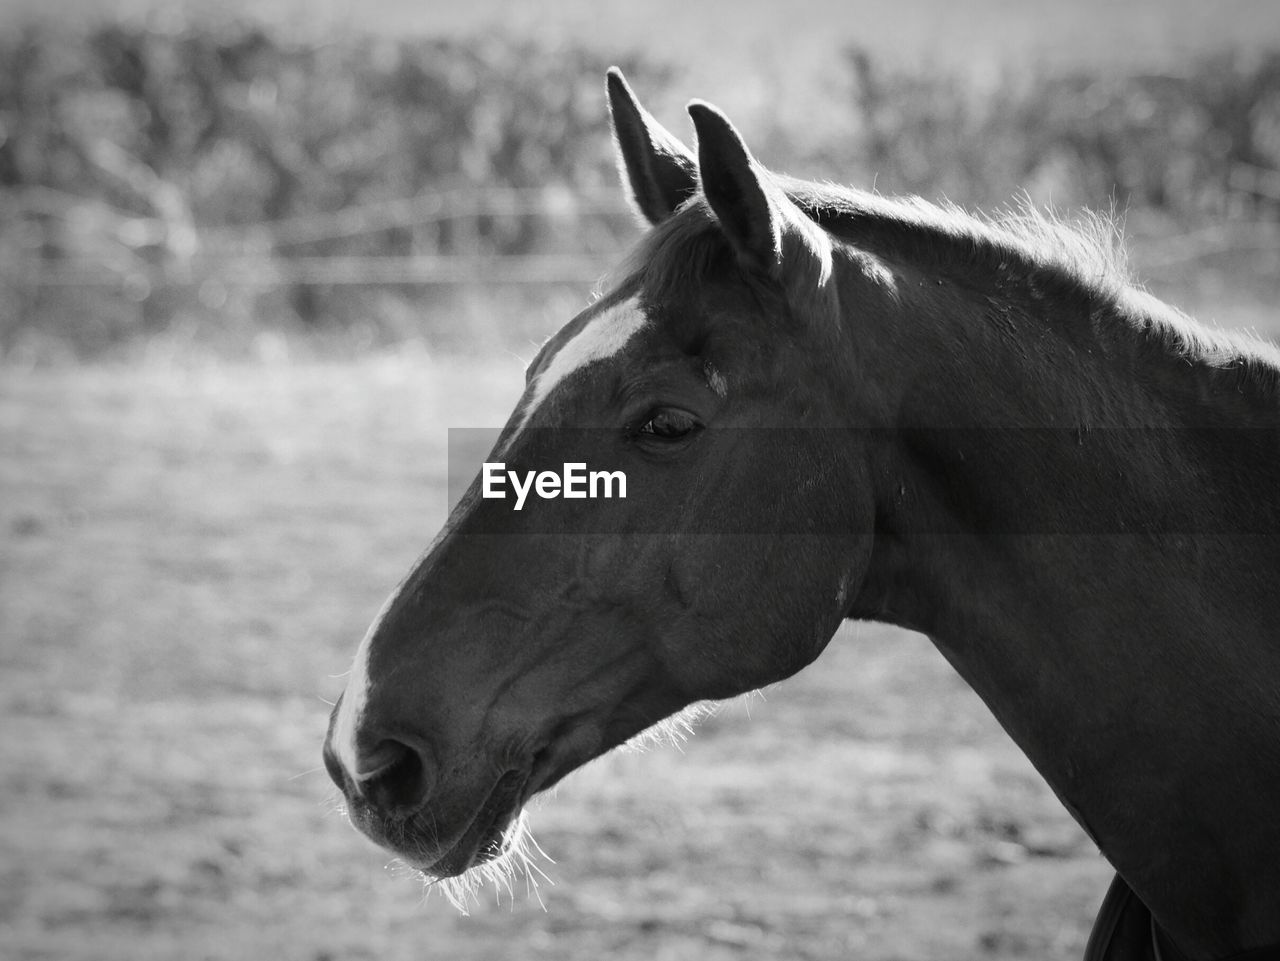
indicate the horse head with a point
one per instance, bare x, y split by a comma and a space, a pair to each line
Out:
527, 642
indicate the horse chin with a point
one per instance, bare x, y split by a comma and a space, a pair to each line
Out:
488, 836
474, 850
496, 828
492, 830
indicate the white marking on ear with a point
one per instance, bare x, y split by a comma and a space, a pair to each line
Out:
602, 337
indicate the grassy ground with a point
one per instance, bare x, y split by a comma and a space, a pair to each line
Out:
188, 558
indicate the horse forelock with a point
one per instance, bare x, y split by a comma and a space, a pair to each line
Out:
675, 256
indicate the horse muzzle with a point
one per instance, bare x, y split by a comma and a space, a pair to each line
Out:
394, 797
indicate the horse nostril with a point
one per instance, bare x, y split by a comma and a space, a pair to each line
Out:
386, 754
392, 777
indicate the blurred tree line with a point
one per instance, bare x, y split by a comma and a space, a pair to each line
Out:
148, 175
229, 178
1199, 140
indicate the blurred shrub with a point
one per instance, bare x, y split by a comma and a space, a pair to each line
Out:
1187, 143
155, 156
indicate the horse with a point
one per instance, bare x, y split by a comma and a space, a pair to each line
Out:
830, 405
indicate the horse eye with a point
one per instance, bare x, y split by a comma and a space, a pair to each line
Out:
669, 424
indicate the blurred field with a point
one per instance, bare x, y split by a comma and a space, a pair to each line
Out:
189, 557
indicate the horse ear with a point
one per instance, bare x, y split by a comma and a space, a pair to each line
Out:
747, 204
658, 169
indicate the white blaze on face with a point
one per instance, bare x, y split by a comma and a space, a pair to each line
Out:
354, 698
352, 709
602, 337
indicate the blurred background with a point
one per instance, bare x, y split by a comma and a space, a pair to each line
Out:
257, 258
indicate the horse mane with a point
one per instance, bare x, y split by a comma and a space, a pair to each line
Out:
1081, 267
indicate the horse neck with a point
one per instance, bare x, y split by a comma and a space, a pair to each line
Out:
1136, 670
